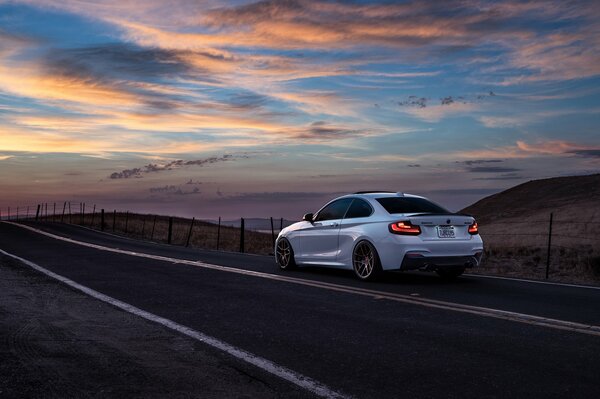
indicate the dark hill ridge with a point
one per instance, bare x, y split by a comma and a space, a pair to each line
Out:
515, 227
577, 194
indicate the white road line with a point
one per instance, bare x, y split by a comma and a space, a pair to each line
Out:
432, 303
289, 375
524, 280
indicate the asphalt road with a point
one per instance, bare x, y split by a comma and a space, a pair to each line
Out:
57, 343
360, 345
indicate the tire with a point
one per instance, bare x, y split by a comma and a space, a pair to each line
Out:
365, 261
450, 273
284, 255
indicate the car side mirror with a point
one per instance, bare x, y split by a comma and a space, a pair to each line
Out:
308, 217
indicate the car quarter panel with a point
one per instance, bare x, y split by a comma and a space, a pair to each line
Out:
354, 230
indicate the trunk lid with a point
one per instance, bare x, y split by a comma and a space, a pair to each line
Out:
442, 226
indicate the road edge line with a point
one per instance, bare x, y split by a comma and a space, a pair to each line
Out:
525, 280
268, 366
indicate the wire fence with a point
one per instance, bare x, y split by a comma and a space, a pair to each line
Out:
558, 248
555, 248
249, 235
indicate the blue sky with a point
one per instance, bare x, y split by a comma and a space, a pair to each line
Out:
271, 108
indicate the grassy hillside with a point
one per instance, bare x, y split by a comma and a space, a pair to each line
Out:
572, 196
515, 226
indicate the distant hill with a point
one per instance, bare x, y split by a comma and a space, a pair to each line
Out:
514, 225
575, 197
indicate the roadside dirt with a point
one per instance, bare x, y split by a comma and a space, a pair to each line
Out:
58, 343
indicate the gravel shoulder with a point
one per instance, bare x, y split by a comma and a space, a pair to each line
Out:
56, 342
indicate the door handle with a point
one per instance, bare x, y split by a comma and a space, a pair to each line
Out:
334, 224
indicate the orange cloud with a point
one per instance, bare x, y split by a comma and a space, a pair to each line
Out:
319, 102
188, 122
29, 81
15, 139
28, 140
551, 147
522, 149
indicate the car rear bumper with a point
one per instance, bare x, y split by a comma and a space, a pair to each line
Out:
412, 252
415, 261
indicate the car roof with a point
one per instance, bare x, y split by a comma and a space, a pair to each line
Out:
379, 194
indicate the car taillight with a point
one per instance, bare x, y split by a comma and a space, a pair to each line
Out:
474, 229
405, 228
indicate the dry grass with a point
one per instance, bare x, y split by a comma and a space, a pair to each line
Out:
155, 228
581, 265
514, 226
519, 247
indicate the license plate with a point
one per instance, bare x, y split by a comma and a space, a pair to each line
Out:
445, 231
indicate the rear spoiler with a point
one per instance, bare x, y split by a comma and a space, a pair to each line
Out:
443, 214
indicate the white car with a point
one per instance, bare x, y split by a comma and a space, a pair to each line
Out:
370, 232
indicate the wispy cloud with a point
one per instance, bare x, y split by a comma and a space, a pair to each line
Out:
155, 167
491, 169
587, 153
502, 176
471, 162
296, 196
435, 113
321, 130
174, 190
523, 149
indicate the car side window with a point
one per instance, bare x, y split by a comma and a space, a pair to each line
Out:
335, 210
359, 209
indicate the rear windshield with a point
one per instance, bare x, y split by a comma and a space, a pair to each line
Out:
410, 205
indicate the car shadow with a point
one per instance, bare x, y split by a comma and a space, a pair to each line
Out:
388, 277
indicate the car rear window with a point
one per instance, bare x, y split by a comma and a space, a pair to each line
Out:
410, 205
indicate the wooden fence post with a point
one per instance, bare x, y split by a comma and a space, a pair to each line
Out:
102, 220
549, 247
114, 219
62, 217
153, 225
170, 233
272, 232
143, 225
93, 216
187, 243
37, 213
126, 221
218, 232
242, 236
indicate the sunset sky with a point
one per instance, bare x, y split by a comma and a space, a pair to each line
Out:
271, 108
